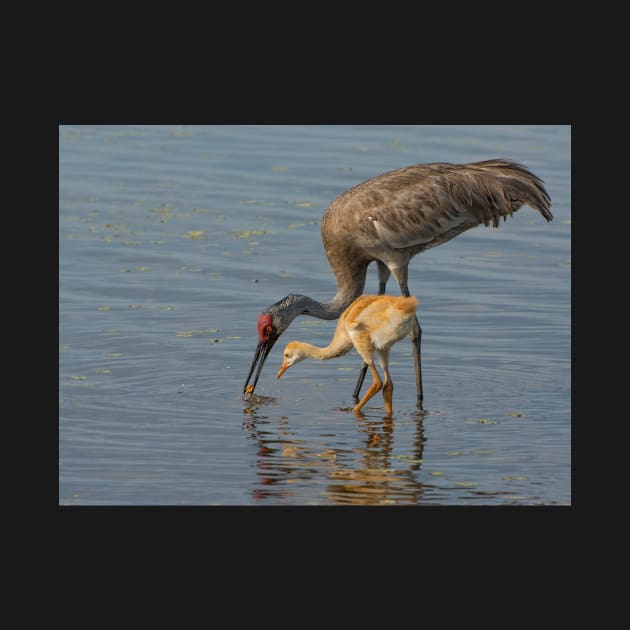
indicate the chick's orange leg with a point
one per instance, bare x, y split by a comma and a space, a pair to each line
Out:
388, 391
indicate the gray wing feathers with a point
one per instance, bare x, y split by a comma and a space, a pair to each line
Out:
431, 203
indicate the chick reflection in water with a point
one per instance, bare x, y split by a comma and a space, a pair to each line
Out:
372, 324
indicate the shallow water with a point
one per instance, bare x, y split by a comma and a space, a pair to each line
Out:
173, 239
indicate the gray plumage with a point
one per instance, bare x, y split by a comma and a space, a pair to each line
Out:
394, 216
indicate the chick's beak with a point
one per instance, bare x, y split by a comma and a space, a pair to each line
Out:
283, 368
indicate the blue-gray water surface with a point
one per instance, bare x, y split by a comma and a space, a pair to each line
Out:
173, 239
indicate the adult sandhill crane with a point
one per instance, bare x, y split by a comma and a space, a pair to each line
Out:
372, 324
391, 218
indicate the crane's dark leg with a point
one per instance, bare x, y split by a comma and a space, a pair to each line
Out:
357, 389
416, 338
383, 277
416, 334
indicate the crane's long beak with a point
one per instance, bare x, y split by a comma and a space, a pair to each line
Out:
260, 356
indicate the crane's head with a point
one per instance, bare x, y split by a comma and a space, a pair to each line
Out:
267, 336
271, 324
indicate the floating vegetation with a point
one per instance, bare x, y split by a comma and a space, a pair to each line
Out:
466, 484
194, 234
104, 308
514, 414
481, 421
152, 307
162, 209
190, 333
515, 478
279, 169
259, 202
248, 233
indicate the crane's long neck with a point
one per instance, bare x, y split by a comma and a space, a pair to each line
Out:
289, 307
350, 283
327, 310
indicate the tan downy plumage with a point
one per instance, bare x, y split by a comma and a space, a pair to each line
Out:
372, 324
